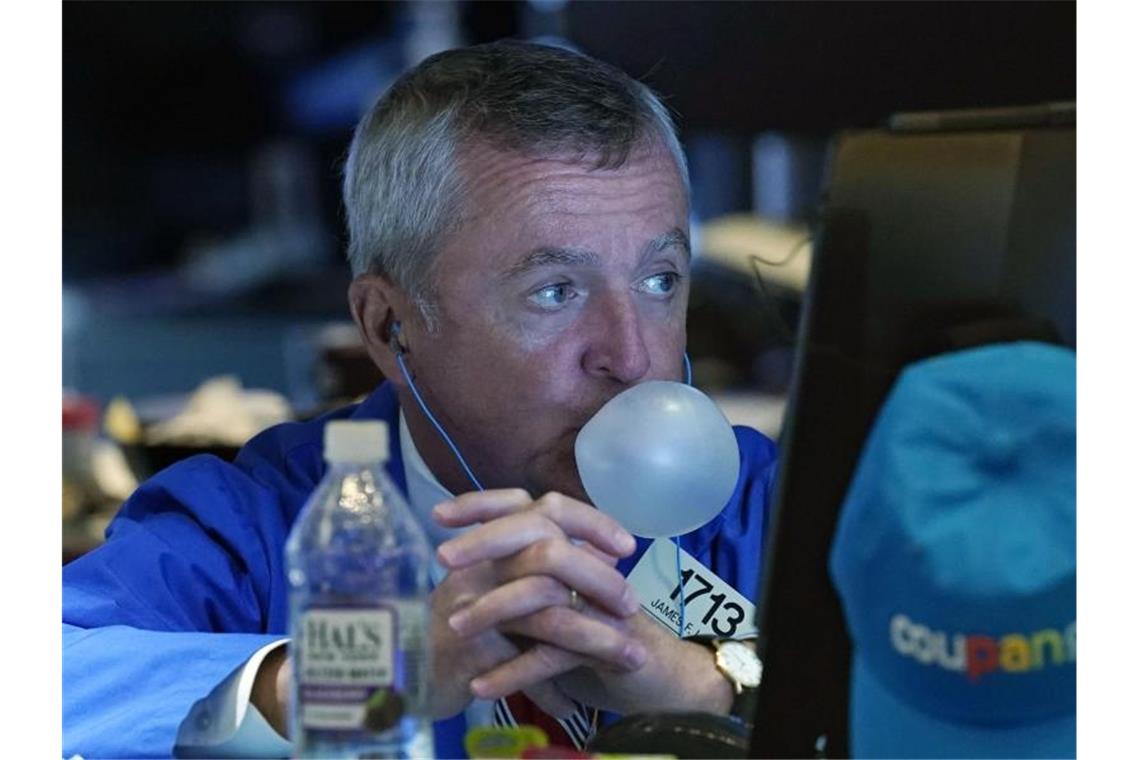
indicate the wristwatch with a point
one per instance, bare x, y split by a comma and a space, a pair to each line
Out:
741, 666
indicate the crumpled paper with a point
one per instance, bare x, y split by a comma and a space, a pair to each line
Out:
221, 412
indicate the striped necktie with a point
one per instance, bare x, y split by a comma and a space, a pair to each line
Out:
576, 731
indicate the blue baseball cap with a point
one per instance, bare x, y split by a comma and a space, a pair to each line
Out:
955, 560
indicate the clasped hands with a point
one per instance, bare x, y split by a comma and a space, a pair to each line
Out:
502, 619
505, 618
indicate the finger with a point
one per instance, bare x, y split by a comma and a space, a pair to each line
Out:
597, 553
521, 597
531, 593
574, 568
577, 632
534, 666
506, 533
575, 518
480, 506
582, 521
470, 553
463, 587
497, 539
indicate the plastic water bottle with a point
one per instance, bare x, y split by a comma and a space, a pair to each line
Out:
358, 580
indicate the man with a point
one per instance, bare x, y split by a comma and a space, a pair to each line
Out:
518, 235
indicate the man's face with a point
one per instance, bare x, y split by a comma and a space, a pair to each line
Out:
563, 287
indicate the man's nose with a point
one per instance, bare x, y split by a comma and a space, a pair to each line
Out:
617, 346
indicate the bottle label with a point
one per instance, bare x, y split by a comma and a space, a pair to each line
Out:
347, 669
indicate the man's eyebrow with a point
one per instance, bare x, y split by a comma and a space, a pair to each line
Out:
578, 257
548, 256
674, 237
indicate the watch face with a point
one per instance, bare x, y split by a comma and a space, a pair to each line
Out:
741, 663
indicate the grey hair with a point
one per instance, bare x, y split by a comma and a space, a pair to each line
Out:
402, 186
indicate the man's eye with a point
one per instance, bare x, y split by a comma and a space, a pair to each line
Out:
660, 284
552, 297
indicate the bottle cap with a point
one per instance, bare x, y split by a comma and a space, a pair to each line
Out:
356, 441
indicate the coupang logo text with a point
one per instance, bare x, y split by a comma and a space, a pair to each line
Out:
976, 655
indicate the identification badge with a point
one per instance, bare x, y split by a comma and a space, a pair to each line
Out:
711, 605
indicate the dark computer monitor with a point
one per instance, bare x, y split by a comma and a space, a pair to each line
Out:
942, 232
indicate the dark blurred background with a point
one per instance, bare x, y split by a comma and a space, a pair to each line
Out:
202, 145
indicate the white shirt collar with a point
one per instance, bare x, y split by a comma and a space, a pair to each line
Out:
424, 492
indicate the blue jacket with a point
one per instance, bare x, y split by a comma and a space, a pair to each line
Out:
191, 582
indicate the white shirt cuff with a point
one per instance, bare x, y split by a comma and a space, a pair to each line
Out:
226, 724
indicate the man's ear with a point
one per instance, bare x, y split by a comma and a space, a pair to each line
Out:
376, 306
